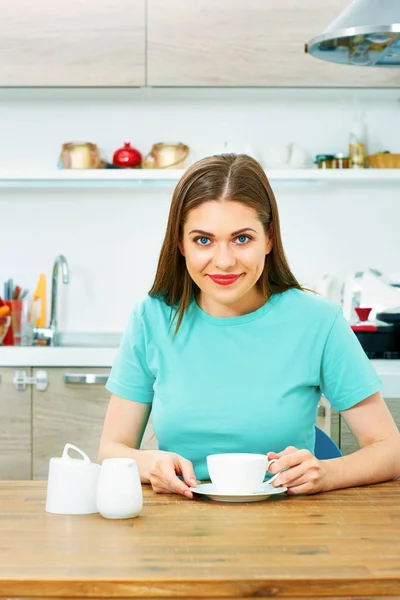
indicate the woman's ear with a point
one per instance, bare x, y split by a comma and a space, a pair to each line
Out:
181, 248
269, 242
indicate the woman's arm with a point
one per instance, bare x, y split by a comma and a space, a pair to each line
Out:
379, 456
123, 429
377, 460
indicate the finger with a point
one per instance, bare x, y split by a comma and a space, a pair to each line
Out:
159, 489
276, 456
186, 469
290, 476
271, 455
304, 488
171, 481
291, 460
164, 490
287, 450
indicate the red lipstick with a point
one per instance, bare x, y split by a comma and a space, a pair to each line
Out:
226, 279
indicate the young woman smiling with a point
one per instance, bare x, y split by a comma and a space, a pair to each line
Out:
232, 354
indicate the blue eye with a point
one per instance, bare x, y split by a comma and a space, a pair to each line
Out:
242, 239
202, 241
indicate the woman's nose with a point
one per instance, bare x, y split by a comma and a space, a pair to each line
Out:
224, 257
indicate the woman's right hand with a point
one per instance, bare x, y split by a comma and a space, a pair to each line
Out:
163, 474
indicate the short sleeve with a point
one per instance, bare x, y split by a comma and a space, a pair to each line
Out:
347, 375
130, 377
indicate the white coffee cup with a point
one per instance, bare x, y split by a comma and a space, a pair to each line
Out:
72, 484
238, 473
119, 491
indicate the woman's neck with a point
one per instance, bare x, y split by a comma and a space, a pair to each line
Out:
249, 303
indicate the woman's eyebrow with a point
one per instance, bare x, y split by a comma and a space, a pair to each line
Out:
207, 233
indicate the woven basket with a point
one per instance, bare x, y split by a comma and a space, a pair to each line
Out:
384, 161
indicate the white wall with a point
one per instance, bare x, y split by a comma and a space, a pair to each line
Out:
111, 237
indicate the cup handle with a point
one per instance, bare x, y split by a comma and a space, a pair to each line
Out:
276, 474
68, 447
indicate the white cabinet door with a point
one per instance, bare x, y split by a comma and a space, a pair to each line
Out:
72, 43
252, 43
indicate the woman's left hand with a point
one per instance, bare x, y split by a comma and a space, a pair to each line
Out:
305, 474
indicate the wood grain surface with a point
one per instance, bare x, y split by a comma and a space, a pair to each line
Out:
72, 43
15, 427
252, 43
343, 544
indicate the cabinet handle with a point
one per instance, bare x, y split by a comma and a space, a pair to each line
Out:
85, 378
321, 411
40, 380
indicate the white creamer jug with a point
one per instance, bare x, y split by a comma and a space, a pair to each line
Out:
119, 492
72, 484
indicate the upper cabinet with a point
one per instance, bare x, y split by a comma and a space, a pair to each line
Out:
130, 43
72, 43
251, 43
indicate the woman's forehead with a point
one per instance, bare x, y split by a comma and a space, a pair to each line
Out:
216, 214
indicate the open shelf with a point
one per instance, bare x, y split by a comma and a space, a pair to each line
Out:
87, 178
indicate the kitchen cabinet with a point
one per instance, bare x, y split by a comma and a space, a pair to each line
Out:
328, 419
348, 442
72, 43
47, 408
71, 409
253, 43
15, 428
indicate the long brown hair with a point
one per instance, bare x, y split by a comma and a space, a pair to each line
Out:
224, 177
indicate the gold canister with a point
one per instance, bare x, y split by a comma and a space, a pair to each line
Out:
80, 155
166, 156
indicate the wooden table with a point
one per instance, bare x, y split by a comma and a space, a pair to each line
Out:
341, 544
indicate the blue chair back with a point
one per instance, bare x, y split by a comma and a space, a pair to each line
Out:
325, 447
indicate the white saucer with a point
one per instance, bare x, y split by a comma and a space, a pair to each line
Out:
262, 493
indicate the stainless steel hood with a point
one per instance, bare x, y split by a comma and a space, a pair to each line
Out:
367, 33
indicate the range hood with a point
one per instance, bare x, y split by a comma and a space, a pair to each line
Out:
366, 34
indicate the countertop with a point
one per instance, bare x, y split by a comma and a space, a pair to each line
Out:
92, 349
98, 349
340, 544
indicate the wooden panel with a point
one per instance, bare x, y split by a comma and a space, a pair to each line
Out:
72, 43
253, 43
348, 442
233, 597
344, 543
15, 427
71, 413
329, 422
335, 427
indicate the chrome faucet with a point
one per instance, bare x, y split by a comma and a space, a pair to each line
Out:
50, 334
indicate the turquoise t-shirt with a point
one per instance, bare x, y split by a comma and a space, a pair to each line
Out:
241, 384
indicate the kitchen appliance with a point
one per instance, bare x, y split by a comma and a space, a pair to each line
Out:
366, 33
393, 317
166, 156
369, 288
376, 337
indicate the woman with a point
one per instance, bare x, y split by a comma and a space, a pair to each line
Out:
231, 354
